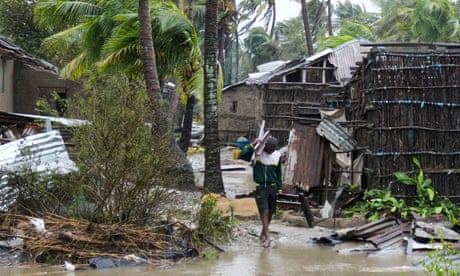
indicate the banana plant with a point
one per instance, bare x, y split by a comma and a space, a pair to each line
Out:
425, 191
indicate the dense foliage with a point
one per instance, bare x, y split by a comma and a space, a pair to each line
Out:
125, 170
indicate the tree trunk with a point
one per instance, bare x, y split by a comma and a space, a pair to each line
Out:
221, 35
306, 26
186, 179
187, 120
187, 124
152, 82
329, 18
190, 10
272, 28
213, 176
319, 12
237, 56
180, 5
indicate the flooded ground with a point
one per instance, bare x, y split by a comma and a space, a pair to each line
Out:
291, 252
287, 256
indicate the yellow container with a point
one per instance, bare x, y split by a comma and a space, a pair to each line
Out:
236, 153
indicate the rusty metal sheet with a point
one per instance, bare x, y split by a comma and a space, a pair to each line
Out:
372, 228
304, 158
391, 236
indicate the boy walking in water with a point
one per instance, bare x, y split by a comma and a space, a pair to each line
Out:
267, 175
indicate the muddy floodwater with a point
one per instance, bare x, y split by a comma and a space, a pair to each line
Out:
291, 253
282, 259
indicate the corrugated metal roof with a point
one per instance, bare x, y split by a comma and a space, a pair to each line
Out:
343, 57
9, 49
64, 121
336, 134
390, 236
259, 78
42, 153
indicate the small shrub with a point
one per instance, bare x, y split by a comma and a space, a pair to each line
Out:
441, 261
212, 223
378, 203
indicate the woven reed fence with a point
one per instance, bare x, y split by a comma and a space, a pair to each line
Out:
410, 97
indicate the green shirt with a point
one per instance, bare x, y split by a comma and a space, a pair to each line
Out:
267, 166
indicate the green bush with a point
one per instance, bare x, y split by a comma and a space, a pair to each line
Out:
211, 221
125, 168
378, 203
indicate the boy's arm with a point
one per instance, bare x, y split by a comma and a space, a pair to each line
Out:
279, 183
246, 153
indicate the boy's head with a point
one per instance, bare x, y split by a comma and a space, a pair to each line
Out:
271, 144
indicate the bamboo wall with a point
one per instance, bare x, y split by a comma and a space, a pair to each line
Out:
244, 107
410, 97
280, 100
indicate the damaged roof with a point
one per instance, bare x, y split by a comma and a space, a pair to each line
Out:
343, 57
10, 50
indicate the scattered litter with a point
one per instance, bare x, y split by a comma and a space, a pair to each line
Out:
38, 225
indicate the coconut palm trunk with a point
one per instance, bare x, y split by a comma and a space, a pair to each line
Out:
148, 53
329, 18
213, 177
306, 26
152, 82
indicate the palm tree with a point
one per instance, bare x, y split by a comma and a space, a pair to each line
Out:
251, 10
152, 82
260, 47
329, 18
434, 20
213, 177
291, 42
424, 20
314, 21
306, 26
187, 118
107, 35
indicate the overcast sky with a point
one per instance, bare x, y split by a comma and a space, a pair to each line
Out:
289, 8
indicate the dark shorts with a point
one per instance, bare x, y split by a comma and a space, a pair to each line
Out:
266, 198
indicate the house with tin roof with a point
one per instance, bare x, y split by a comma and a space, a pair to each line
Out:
24, 79
305, 85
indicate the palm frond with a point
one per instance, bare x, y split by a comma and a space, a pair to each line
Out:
76, 68
65, 40
62, 12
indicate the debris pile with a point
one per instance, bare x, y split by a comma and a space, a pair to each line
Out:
390, 233
56, 239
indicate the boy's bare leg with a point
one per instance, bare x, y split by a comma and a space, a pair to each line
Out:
265, 228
